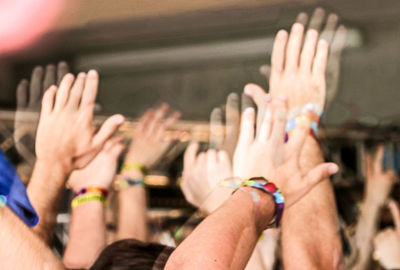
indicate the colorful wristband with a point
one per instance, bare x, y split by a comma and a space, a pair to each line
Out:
87, 197
97, 190
3, 201
124, 182
263, 184
291, 124
129, 166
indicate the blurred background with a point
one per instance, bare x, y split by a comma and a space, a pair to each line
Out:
191, 54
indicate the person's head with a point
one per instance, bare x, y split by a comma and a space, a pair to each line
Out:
132, 254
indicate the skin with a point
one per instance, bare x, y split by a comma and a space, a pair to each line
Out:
29, 96
236, 224
87, 236
299, 72
379, 183
65, 141
151, 140
387, 242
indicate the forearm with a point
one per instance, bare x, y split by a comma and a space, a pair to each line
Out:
226, 238
86, 235
132, 211
365, 232
310, 230
20, 248
45, 190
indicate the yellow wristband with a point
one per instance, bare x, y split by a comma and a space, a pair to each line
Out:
87, 197
133, 166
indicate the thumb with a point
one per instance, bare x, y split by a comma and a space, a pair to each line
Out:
321, 172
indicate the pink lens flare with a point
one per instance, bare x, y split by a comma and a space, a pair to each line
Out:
24, 21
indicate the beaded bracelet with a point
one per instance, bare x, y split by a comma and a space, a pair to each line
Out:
87, 197
3, 201
129, 166
263, 184
97, 190
291, 124
123, 182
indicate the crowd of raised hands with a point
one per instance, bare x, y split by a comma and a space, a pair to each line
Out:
262, 184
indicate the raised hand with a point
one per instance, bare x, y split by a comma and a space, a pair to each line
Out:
29, 96
101, 171
65, 132
266, 155
153, 137
387, 242
336, 37
201, 173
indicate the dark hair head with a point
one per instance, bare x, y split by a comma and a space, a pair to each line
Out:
132, 254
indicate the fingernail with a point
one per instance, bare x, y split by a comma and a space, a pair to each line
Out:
249, 111
248, 90
119, 119
297, 27
81, 75
312, 32
92, 73
281, 34
322, 42
333, 168
282, 98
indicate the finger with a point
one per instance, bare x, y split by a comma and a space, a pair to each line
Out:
278, 51
49, 77
232, 116
339, 41
145, 120
308, 52
189, 158
298, 137
63, 91
294, 47
321, 58
265, 70
224, 160
216, 129
330, 27
48, 100
77, 90
265, 126
211, 158
260, 97
279, 124
302, 18
201, 161
317, 19
91, 87
378, 159
62, 70
167, 124
395, 211
159, 114
109, 127
319, 173
246, 135
35, 87
22, 94
246, 102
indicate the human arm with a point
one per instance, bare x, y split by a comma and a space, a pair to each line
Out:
151, 139
16, 239
310, 231
377, 189
65, 141
87, 235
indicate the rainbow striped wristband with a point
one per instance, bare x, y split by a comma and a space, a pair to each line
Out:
263, 184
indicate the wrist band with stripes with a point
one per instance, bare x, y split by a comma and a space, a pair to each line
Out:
87, 197
97, 190
268, 187
129, 166
123, 182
